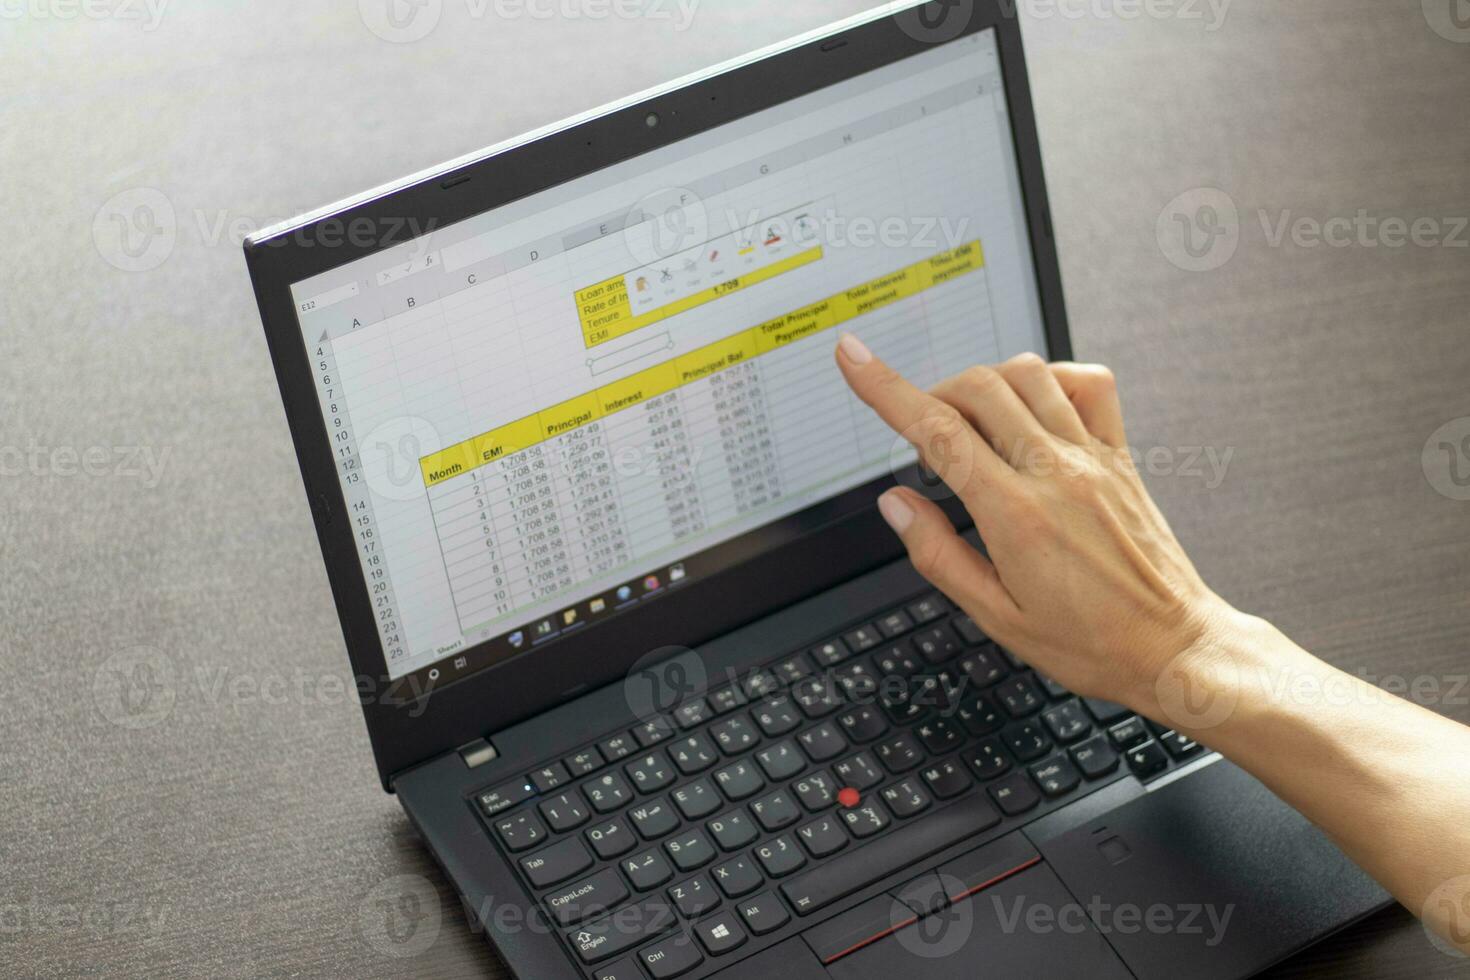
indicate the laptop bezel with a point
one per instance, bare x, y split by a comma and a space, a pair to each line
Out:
820, 547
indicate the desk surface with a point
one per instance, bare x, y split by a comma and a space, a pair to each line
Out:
244, 833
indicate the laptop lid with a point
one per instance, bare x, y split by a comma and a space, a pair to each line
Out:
572, 400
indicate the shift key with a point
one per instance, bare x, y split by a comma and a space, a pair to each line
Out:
621, 931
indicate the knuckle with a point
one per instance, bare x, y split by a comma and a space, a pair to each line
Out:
980, 379
942, 421
1027, 364
930, 559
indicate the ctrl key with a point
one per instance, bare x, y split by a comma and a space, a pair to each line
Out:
620, 931
672, 956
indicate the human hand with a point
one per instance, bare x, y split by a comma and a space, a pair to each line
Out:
1084, 581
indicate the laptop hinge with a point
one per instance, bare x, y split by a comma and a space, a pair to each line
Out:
477, 753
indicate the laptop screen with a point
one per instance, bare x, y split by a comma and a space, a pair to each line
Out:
564, 409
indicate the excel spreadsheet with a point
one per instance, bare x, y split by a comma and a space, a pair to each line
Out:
540, 412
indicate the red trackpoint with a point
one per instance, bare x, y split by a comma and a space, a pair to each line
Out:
849, 797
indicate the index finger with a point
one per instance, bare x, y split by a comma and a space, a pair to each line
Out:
947, 444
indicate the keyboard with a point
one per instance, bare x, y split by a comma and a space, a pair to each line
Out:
704, 835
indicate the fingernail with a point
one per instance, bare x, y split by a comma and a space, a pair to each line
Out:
896, 511
853, 349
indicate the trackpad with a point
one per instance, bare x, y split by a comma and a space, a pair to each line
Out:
1210, 876
995, 933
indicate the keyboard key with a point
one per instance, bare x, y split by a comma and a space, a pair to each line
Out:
1147, 759
734, 735
980, 716
1020, 697
1014, 793
726, 699
857, 680
694, 754
694, 713
1056, 776
895, 623
937, 644
732, 830
621, 970
760, 683
588, 897
671, 957
858, 771
946, 779
548, 779
862, 724
840, 876
694, 896
1095, 757
822, 836
611, 839
736, 877
1179, 746
739, 780
939, 736
969, 632
829, 654
863, 638
653, 819
1127, 734
607, 792
927, 609
1106, 712
762, 914
780, 856
906, 798
613, 934
897, 661
775, 810
556, 863
653, 731
988, 759
815, 791
617, 747
690, 850
1053, 689
1067, 721
563, 812
777, 715
1027, 740
647, 869
866, 819
899, 754
697, 799
650, 773
520, 831
584, 763
781, 761
501, 798
720, 933
792, 669
822, 742
983, 668
816, 696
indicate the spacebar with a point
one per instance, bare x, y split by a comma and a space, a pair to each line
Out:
844, 875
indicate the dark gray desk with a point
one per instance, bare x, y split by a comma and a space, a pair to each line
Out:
244, 833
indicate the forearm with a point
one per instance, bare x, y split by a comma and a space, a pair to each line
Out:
1388, 780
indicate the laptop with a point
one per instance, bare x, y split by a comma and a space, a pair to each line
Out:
646, 671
